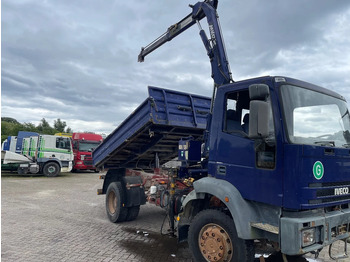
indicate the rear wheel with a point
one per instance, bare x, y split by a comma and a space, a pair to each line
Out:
51, 169
115, 200
133, 212
212, 237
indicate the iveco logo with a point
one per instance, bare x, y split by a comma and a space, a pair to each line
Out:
341, 191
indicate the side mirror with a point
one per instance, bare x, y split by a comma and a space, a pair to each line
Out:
258, 91
258, 119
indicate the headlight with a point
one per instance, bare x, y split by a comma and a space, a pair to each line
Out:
308, 237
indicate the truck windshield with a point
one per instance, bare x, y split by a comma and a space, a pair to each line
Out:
315, 118
87, 146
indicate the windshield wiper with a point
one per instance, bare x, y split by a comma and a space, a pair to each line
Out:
325, 143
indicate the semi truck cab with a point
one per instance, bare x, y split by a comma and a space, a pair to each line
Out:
83, 145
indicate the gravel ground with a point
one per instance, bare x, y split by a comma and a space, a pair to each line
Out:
63, 219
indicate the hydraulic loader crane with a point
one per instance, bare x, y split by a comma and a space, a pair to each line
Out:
215, 45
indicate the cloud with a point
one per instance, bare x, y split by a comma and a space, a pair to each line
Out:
77, 60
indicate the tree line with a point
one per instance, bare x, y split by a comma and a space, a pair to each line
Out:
10, 127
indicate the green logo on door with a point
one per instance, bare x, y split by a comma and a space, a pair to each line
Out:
318, 170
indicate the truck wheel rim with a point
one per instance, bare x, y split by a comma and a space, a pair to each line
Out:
215, 243
51, 169
112, 202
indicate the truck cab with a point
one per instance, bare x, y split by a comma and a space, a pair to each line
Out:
46, 154
54, 154
83, 145
292, 162
284, 143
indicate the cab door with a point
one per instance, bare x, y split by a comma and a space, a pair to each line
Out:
249, 164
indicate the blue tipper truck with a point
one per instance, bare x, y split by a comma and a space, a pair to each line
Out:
264, 161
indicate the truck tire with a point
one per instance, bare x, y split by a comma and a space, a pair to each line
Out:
212, 236
51, 169
133, 212
115, 199
22, 171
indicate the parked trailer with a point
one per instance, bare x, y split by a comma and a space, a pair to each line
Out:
250, 171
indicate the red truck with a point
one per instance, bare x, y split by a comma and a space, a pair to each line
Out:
83, 145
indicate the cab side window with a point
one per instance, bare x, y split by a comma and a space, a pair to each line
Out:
63, 143
237, 113
237, 118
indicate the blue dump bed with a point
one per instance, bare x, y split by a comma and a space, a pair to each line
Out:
155, 127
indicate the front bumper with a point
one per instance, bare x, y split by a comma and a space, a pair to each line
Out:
328, 227
84, 165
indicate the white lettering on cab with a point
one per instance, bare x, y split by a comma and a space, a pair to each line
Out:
341, 191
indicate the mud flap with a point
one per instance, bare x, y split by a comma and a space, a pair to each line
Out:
135, 192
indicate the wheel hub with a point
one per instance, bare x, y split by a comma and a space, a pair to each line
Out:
215, 243
51, 169
112, 202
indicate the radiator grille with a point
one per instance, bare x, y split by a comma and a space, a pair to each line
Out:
331, 192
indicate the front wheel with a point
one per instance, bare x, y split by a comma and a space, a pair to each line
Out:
51, 169
213, 237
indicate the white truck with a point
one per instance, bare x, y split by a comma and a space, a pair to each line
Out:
46, 154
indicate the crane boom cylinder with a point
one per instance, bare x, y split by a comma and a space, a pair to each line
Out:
171, 33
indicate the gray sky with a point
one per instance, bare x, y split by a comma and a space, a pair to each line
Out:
77, 60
